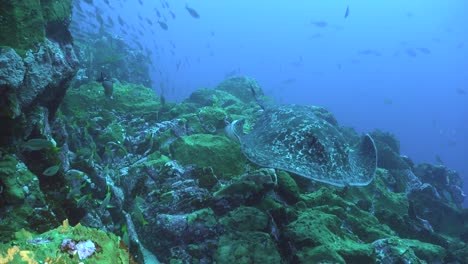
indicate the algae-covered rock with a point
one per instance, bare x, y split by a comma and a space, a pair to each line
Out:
27, 22
22, 203
131, 99
247, 247
60, 246
12, 68
319, 254
245, 218
389, 205
204, 150
396, 250
212, 118
244, 88
388, 149
288, 187
213, 98
248, 188
205, 216
22, 24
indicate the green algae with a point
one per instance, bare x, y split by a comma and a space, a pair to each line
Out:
20, 195
114, 132
128, 99
212, 118
288, 187
320, 254
316, 228
25, 250
244, 88
245, 218
247, 247
204, 150
57, 11
23, 23
12, 180
205, 216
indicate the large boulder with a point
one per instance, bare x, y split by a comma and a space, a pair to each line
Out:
205, 150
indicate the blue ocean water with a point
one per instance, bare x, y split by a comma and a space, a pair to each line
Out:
399, 66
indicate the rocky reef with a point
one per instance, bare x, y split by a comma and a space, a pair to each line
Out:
37, 64
136, 179
167, 180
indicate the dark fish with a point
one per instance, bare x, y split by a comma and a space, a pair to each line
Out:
157, 13
149, 21
78, 6
346, 14
99, 18
110, 22
424, 50
163, 25
138, 44
192, 12
370, 52
80, 15
388, 101
178, 65
439, 159
288, 81
232, 73
297, 63
410, 52
108, 88
255, 96
121, 21
172, 14
320, 24
315, 36
451, 143
461, 91
141, 2
89, 1
107, 84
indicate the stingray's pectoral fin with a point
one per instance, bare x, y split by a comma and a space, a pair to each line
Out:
235, 129
364, 161
238, 127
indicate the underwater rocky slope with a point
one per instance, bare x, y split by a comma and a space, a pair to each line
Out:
135, 179
167, 180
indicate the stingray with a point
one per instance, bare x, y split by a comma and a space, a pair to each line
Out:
296, 139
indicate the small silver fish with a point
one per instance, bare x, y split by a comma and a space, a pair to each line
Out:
51, 171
